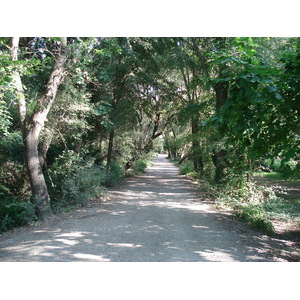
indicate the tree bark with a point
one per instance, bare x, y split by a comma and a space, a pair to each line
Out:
31, 126
34, 169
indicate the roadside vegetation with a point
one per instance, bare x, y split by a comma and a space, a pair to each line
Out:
263, 200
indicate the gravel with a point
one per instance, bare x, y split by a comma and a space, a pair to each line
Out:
159, 216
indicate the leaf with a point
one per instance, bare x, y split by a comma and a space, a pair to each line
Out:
204, 123
278, 96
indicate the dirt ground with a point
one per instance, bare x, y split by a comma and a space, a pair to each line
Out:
286, 230
159, 216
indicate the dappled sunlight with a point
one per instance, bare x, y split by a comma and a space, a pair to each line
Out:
67, 242
196, 226
154, 217
90, 257
173, 205
72, 234
215, 256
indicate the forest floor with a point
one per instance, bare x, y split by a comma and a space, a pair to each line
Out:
158, 216
287, 229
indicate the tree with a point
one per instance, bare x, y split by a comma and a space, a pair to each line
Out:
259, 116
32, 123
192, 64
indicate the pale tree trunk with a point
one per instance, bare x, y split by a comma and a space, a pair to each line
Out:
110, 150
168, 144
31, 126
175, 143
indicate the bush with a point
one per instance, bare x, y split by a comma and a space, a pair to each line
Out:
141, 165
282, 170
11, 147
116, 174
76, 181
186, 167
255, 216
16, 214
5, 194
247, 202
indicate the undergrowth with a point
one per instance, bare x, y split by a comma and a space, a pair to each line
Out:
257, 205
76, 181
246, 203
141, 165
14, 213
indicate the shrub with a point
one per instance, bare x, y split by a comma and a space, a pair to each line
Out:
141, 165
11, 147
255, 216
247, 202
116, 174
16, 214
186, 167
76, 181
5, 194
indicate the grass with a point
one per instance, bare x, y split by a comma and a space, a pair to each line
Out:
258, 205
281, 206
283, 209
256, 217
269, 175
275, 176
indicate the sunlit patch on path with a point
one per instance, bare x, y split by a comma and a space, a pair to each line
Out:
157, 216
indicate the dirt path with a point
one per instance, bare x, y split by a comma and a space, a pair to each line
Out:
157, 216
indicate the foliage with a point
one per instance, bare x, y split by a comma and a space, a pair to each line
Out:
256, 217
186, 167
11, 147
13, 213
247, 203
142, 164
76, 180
257, 116
116, 174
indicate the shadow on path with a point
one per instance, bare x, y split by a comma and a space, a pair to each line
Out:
156, 216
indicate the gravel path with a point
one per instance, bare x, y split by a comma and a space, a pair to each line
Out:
157, 216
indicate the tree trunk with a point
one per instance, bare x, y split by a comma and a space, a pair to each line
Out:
31, 126
35, 172
196, 152
175, 143
43, 150
110, 150
168, 144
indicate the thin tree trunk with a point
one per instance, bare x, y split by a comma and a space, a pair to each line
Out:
196, 152
168, 144
175, 143
110, 150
